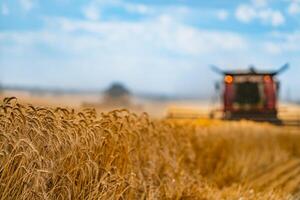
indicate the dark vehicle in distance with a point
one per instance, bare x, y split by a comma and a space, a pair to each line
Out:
250, 94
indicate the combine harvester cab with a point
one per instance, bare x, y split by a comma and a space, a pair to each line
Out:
250, 94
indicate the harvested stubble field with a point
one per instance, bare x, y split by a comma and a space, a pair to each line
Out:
60, 153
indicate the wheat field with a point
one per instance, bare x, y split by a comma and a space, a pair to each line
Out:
59, 153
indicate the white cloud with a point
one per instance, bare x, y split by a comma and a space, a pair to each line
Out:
260, 3
160, 44
91, 12
4, 9
272, 48
275, 18
165, 19
247, 13
283, 42
27, 5
94, 7
294, 8
162, 33
137, 8
222, 15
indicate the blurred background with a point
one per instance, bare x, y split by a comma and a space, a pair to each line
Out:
80, 52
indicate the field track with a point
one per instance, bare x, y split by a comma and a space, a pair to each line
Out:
279, 176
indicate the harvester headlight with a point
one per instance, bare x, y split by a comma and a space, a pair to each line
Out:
267, 79
228, 79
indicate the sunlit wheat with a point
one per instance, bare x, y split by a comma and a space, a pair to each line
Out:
64, 154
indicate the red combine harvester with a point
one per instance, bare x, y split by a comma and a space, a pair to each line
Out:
250, 94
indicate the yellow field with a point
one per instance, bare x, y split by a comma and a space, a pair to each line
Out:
59, 153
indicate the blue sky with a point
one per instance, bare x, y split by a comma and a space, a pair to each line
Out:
152, 46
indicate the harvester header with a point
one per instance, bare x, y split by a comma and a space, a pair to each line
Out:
251, 71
